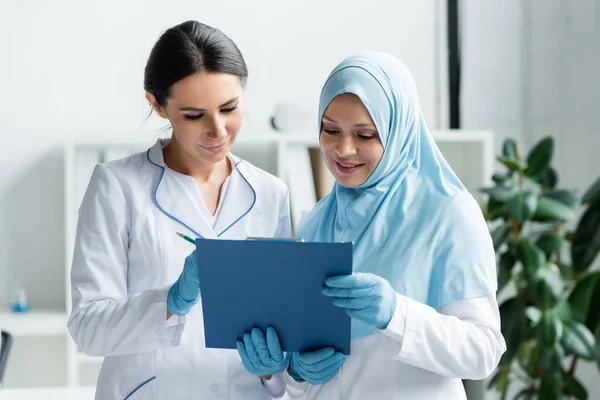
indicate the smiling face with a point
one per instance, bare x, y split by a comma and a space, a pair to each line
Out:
350, 141
206, 113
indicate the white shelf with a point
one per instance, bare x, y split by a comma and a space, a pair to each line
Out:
34, 323
83, 358
49, 393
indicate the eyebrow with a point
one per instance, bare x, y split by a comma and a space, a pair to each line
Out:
227, 103
325, 117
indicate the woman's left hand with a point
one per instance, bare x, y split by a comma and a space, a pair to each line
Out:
367, 297
262, 355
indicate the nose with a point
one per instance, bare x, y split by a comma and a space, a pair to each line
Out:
345, 146
217, 129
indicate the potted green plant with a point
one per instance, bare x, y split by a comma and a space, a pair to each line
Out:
550, 317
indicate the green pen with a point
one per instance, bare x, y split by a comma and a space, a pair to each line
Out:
189, 239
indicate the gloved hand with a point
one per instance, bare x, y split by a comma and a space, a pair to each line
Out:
185, 292
316, 367
262, 356
367, 297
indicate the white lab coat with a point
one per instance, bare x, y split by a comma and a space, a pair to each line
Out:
422, 355
126, 258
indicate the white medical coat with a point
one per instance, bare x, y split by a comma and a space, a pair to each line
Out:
126, 258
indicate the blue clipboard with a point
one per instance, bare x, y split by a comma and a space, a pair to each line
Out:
259, 283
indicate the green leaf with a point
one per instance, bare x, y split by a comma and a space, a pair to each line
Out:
499, 235
550, 328
513, 245
525, 394
578, 340
522, 206
532, 259
513, 317
495, 209
551, 280
593, 316
530, 332
551, 359
549, 178
563, 310
539, 157
528, 356
509, 148
548, 287
598, 348
534, 314
550, 388
505, 267
499, 179
581, 296
566, 271
549, 243
498, 193
504, 392
500, 379
569, 198
512, 163
551, 210
592, 195
495, 379
586, 242
569, 236
574, 388
505, 180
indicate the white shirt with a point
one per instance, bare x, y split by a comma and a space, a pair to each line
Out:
198, 200
423, 354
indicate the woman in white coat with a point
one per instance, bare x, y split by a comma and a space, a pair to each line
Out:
422, 292
135, 285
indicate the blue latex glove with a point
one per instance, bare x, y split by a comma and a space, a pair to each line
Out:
262, 355
185, 292
316, 367
367, 297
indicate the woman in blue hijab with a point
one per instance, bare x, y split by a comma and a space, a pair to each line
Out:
422, 292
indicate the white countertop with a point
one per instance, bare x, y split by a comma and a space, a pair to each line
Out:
48, 394
35, 323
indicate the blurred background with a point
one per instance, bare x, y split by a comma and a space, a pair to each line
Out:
71, 76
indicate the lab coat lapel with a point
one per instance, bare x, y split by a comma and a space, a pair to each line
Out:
240, 198
174, 197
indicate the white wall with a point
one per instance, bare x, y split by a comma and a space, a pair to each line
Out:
530, 69
74, 69
491, 70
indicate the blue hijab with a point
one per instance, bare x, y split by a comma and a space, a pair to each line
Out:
412, 222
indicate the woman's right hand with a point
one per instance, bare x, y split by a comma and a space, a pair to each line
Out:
185, 292
316, 367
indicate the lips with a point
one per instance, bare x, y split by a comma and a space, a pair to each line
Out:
215, 149
346, 167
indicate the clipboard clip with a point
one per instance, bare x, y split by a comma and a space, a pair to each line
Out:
275, 239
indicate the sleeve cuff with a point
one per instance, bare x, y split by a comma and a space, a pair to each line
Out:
275, 386
397, 325
170, 330
417, 318
294, 388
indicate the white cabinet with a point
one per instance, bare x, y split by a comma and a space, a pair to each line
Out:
45, 355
